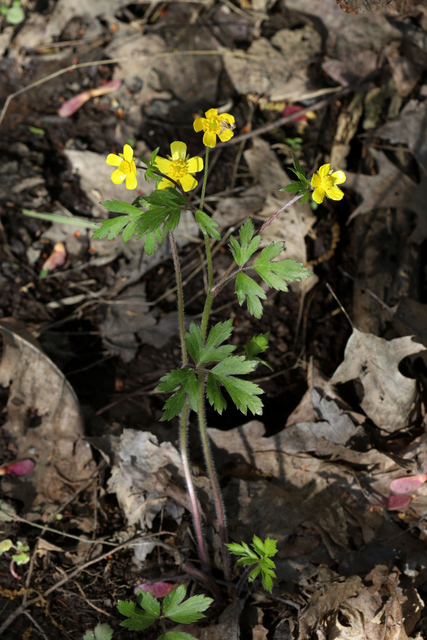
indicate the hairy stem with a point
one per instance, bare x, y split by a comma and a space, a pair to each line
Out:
197, 521
210, 467
180, 296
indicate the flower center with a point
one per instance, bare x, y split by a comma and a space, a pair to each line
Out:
178, 169
214, 125
125, 167
327, 182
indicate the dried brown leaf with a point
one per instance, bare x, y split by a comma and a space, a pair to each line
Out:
388, 395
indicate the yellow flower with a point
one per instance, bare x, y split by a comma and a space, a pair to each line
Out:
324, 182
125, 167
214, 125
180, 167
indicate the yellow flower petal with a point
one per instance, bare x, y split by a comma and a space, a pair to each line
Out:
195, 164
165, 184
209, 139
226, 135
117, 176
334, 193
163, 164
188, 182
178, 150
212, 113
227, 117
113, 160
316, 180
338, 177
318, 195
198, 124
131, 181
324, 170
128, 153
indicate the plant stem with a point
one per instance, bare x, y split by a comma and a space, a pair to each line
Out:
197, 521
210, 467
180, 295
242, 580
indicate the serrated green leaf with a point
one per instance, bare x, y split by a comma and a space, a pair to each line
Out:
149, 603
186, 380
248, 244
293, 187
270, 547
111, 227
214, 395
150, 243
220, 332
248, 289
117, 206
244, 395
267, 582
194, 342
258, 344
207, 225
128, 231
234, 365
138, 619
185, 612
297, 165
258, 545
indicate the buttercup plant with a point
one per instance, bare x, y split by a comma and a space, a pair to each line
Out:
208, 362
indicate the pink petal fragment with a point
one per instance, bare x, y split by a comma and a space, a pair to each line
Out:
157, 589
73, 104
393, 503
107, 87
56, 258
19, 468
407, 484
293, 108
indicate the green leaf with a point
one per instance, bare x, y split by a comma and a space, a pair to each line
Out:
208, 226
101, 632
129, 231
242, 392
212, 352
176, 635
276, 273
248, 243
244, 395
56, 217
247, 288
139, 620
214, 395
5, 545
111, 227
187, 383
15, 15
117, 206
185, 612
258, 344
293, 187
298, 167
